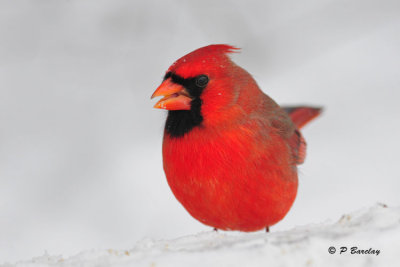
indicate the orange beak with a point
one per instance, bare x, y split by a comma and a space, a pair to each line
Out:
175, 97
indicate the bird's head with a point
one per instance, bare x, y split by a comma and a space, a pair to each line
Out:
198, 86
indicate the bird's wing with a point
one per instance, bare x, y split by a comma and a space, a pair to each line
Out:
300, 115
298, 146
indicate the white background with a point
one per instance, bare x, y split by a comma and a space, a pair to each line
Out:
80, 144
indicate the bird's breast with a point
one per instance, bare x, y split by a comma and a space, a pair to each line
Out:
222, 178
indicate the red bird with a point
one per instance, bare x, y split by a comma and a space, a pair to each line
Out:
230, 153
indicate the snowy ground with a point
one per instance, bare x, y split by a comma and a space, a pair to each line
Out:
371, 237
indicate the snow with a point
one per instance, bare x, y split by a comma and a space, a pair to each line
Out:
371, 235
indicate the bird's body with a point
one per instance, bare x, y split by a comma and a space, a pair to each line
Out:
230, 156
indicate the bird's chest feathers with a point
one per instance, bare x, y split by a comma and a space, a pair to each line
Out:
198, 168
211, 174
210, 159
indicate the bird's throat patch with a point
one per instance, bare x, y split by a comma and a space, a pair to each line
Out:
180, 122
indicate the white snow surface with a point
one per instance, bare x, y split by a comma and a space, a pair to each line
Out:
375, 230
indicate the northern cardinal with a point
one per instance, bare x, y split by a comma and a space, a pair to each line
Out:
230, 153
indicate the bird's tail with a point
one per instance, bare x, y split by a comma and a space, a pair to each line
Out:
301, 115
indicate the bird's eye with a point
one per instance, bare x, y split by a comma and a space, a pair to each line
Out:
201, 81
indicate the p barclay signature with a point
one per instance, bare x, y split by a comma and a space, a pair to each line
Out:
354, 250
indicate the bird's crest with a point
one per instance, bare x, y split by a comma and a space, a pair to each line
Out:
211, 56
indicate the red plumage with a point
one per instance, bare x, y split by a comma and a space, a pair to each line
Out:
236, 168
